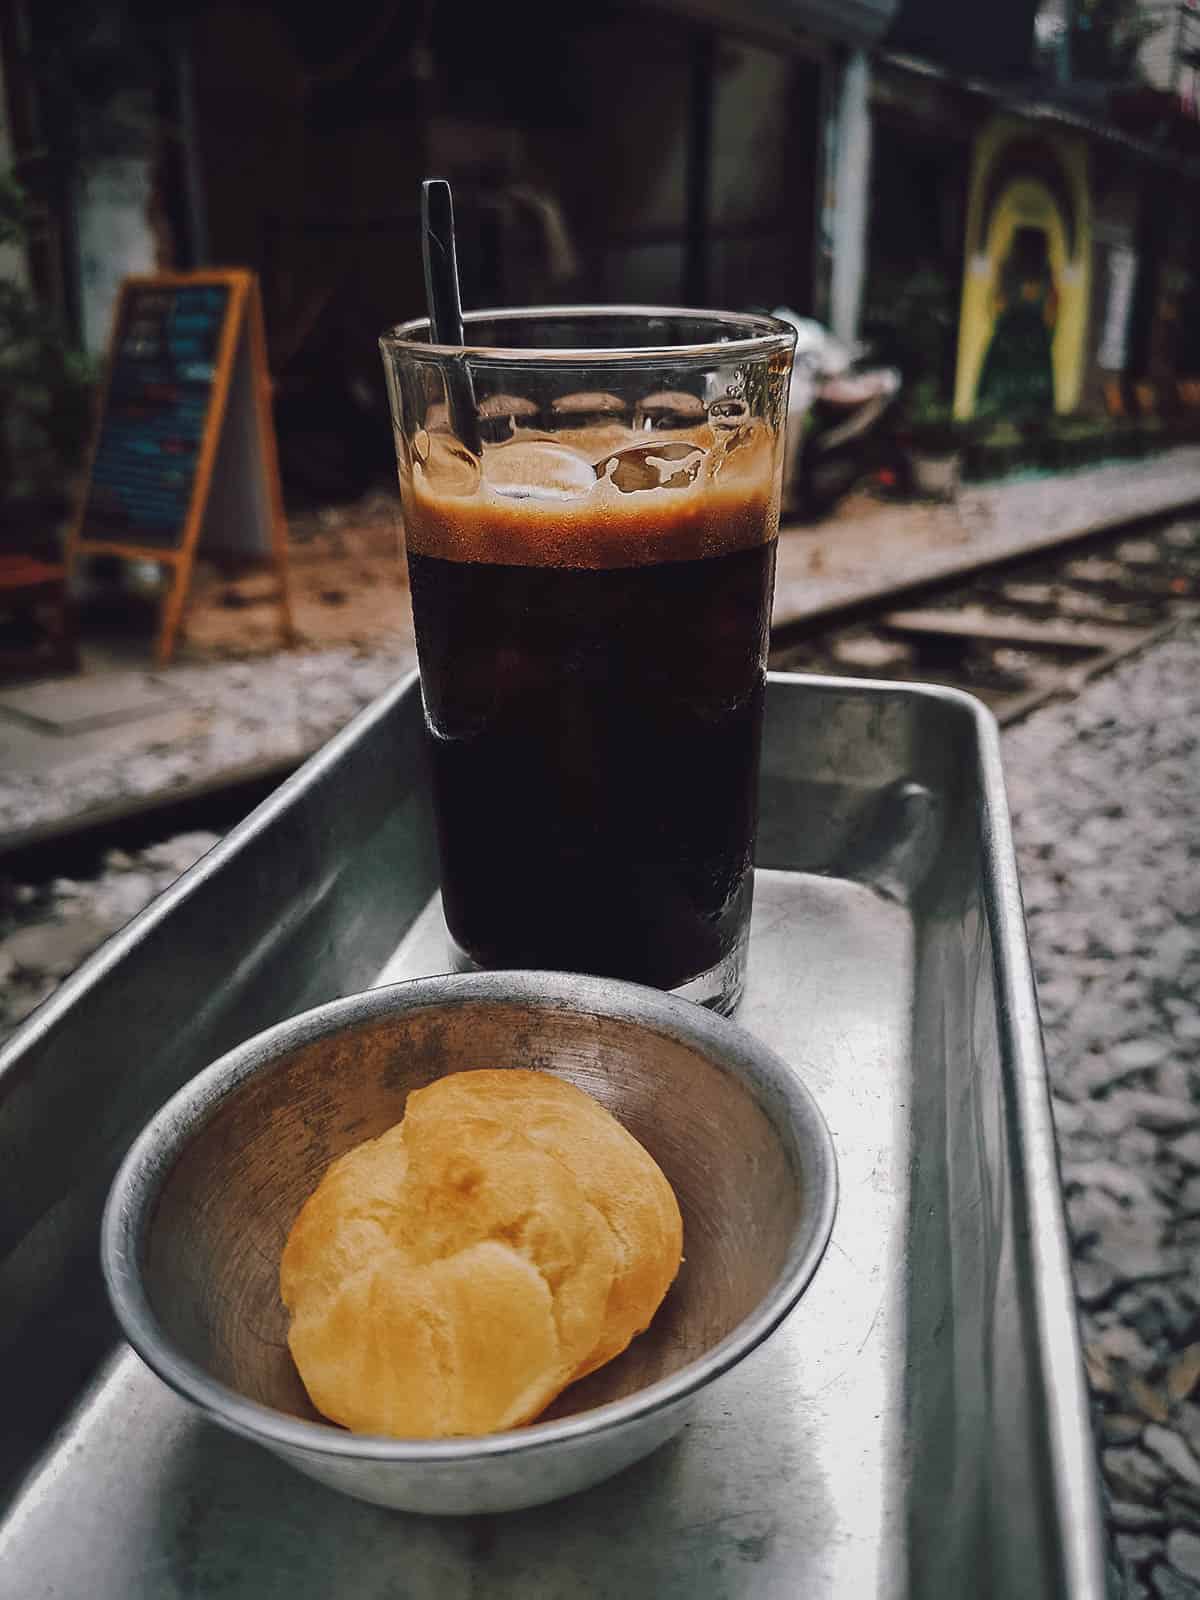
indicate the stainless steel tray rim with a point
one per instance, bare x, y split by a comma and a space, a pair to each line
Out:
153, 1153
1076, 1485
15, 1050
888, 688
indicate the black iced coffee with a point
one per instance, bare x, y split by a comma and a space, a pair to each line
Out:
592, 609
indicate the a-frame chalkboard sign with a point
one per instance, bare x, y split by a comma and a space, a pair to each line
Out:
183, 455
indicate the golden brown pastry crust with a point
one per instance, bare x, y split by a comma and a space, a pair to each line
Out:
455, 1274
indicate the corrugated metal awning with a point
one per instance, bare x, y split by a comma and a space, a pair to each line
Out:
857, 22
1018, 102
861, 23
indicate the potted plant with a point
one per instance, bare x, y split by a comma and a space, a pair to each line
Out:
45, 397
936, 444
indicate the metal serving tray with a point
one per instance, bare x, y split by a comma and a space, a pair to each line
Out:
917, 1428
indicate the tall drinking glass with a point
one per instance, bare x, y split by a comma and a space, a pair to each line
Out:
591, 505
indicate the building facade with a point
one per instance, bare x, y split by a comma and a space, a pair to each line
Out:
944, 179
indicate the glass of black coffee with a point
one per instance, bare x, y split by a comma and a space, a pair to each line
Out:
591, 505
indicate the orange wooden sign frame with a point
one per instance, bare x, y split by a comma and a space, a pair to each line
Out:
243, 317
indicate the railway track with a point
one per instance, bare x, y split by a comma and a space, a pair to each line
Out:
1023, 635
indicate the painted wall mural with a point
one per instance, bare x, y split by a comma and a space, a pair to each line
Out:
1024, 312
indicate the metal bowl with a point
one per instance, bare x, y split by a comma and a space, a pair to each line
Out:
199, 1212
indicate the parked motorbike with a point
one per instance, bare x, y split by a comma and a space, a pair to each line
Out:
840, 407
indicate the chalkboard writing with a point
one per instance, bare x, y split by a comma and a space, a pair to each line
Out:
183, 454
160, 388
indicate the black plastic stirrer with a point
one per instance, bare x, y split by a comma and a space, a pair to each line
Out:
444, 303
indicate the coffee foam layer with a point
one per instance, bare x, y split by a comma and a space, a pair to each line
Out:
594, 497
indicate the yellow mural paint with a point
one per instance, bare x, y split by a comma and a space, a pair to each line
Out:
1023, 322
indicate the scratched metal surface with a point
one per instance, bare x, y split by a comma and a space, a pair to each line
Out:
916, 1429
